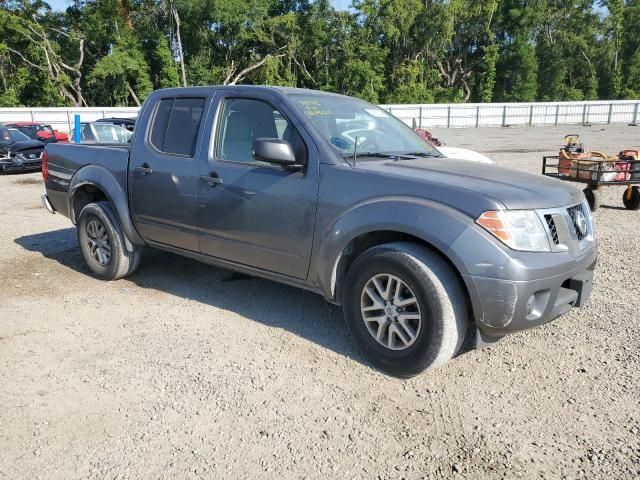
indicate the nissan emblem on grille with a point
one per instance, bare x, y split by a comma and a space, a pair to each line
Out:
581, 223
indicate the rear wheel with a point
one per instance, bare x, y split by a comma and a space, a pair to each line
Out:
631, 198
405, 308
594, 197
102, 243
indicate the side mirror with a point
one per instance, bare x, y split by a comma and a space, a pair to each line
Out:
275, 151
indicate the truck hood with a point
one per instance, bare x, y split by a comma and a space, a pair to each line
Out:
512, 188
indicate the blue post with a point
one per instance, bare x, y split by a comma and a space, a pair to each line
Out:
76, 131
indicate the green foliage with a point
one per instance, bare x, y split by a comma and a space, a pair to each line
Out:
488, 82
392, 51
118, 74
518, 73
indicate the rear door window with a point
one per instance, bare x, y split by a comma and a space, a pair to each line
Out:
176, 125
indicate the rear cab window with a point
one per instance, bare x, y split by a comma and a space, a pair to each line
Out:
176, 124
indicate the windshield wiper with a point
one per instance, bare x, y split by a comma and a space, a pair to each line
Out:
379, 155
422, 154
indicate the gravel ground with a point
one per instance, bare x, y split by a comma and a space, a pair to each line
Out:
188, 371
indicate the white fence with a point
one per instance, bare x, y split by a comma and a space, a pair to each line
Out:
473, 115
465, 115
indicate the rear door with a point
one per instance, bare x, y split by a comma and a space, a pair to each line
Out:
251, 212
163, 175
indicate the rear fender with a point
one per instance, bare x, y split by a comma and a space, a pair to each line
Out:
115, 191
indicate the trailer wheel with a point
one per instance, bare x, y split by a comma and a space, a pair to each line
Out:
631, 198
594, 197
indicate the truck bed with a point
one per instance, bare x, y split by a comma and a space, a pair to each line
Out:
66, 160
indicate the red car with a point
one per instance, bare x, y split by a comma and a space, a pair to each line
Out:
40, 131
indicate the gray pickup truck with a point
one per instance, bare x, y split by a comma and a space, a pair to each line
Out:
334, 195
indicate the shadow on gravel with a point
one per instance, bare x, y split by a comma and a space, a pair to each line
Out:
303, 313
612, 207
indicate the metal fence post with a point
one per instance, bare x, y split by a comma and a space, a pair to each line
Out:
449, 116
33, 119
69, 120
420, 121
504, 116
635, 114
610, 113
557, 113
584, 114
76, 129
478, 116
531, 115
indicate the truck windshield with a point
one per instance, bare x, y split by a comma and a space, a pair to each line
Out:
342, 121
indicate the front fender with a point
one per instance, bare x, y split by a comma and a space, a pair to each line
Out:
115, 190
432, 222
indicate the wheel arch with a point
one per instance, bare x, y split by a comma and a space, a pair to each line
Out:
424, 222
95, 183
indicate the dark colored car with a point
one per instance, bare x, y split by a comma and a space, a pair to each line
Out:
40, 131
334, 195
18, 152
128, 123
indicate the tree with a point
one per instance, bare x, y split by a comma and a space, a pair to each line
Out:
114, 52
122, 76
33, 42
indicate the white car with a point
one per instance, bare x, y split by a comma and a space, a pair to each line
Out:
98, 132
464, 154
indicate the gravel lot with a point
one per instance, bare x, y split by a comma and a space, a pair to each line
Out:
187, 371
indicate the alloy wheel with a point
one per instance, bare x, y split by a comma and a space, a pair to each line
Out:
391, 312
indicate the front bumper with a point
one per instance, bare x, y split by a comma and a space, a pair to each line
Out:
17, 165
502, 306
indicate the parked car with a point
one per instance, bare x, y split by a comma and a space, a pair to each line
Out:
40, 131
273, 182
128, 123
96, 132
452, 152
465, 154
18, 152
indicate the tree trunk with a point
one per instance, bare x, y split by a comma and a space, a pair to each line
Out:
176, 17
133, 94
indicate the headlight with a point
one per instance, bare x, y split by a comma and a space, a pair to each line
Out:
586, 209
518, 229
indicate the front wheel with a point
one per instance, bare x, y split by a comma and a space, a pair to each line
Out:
405, 308
102, 243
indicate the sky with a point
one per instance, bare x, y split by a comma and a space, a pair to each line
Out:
339, 4
62, 4
59, 4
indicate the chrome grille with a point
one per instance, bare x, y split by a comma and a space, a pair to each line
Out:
562, 228
28, 156
553, 230
572, 211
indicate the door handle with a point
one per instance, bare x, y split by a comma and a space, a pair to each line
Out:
212, 179
144, 169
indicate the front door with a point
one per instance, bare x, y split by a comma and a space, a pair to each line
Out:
164, 174
255, 213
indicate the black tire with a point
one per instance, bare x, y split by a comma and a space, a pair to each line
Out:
594, 197
440, 297
120, 262
632, 202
